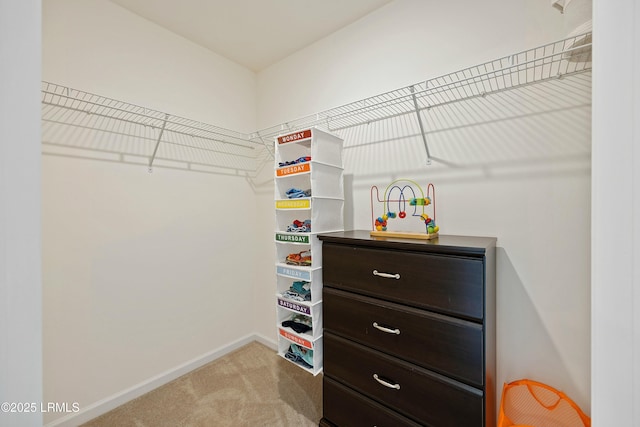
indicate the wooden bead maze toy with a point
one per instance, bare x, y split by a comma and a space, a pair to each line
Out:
411, 203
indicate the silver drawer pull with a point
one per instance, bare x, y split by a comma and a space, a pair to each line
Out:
386, 275
387, 330
386, 384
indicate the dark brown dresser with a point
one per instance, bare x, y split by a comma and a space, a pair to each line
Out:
409, 331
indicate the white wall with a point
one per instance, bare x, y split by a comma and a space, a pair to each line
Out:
520, 171
20, 232
145, 275
607, 390
102, 48
616, 196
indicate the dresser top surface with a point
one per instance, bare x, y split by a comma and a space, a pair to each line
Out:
443, 244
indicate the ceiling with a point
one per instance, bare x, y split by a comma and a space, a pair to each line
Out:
253, 33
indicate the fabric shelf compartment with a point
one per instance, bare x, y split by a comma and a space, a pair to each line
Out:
325, 214
321, 179
321, 146
285, 283
285, 340
290, 311
287, 249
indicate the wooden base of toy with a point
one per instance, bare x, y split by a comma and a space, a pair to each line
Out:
404, 235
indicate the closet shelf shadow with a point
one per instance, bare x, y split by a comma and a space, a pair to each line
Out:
81, 124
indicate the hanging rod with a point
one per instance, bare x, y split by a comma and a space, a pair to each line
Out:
83, 124
224, 148
554, 60
84, 102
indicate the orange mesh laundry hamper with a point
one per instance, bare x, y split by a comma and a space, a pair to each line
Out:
527, 403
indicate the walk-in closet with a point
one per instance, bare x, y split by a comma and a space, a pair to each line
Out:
160, 247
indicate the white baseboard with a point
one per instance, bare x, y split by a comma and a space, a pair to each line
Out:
266, 341
105, 405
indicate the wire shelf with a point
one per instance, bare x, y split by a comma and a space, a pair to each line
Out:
551, 61
95, 126
85, 121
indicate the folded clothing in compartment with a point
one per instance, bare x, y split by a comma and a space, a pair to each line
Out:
299, 323
302, 356
296, 193
299, 291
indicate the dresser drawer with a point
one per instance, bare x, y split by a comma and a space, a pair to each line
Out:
447, 345
417, 393
343, 407
447, 284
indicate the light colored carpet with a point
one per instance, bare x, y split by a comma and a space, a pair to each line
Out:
251, 386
